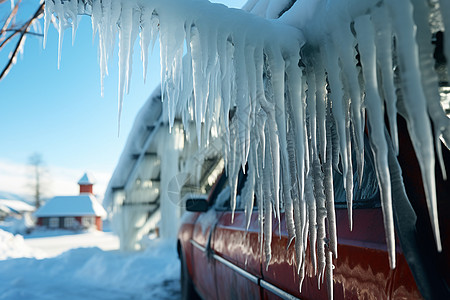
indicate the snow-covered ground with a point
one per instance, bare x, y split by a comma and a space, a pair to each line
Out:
56, 243
85, 266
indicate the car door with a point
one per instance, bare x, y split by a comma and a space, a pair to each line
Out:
202, 254
362, 268
237, 251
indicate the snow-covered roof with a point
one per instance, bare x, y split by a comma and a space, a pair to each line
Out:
145, 123
16, 205
64, 206
11, 196
86, 179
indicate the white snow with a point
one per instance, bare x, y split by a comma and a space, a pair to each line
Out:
217, 61
80, 205
16, 205
145, 122
31, 270
52, 243
14, 246
86, 179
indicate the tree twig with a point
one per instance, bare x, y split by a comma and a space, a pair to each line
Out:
27, 32
23, 32
9, 19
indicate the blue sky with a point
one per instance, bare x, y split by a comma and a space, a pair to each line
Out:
60, 113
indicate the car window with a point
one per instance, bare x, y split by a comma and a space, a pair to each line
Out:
223, 200
365, 196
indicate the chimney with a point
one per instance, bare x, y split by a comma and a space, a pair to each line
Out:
86, 184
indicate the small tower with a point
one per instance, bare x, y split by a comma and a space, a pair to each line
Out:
86, 184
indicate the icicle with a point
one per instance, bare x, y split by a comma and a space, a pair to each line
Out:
384, 62
225, 91
344, 43
125, 48
304, 240
59, 11
294, 80
277, 67
311, 103
242, 100
418, 121
429, 77
71, 9
298, 223
312, 217
133, 37
48, 9
337, 108
251, 62
335, 145
329, 274
96, 24
306, 136
248, 192
366, 42
321, 105
146, 36
319, 195
340, 113
349, 176
196, 53
274, 154
329, 190
260, 200
291, 191
262, 118
233, 165
267, 198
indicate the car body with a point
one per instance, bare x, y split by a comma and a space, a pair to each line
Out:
222, 260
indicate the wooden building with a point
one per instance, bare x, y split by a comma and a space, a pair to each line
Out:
82, 211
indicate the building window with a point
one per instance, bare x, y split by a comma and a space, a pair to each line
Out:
53, 222
69, 222
88, 222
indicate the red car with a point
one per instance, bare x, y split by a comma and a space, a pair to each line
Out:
220, 259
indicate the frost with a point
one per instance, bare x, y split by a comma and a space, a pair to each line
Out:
289, 87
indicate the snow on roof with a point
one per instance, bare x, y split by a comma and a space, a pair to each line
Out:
64, 206
86, 179
11, 196
16, 205
148, 117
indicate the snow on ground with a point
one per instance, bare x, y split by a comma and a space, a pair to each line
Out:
14, 246
56, 243
91, 268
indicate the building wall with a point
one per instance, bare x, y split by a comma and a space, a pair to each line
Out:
77, 223
88, 188
99, 223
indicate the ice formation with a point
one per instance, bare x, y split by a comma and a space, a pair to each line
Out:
259, 78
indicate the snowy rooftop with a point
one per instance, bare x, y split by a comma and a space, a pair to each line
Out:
81, 205
16, 205
86, 179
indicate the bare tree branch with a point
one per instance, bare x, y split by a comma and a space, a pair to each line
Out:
27, 32
9, 38
9, 19
23, 31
